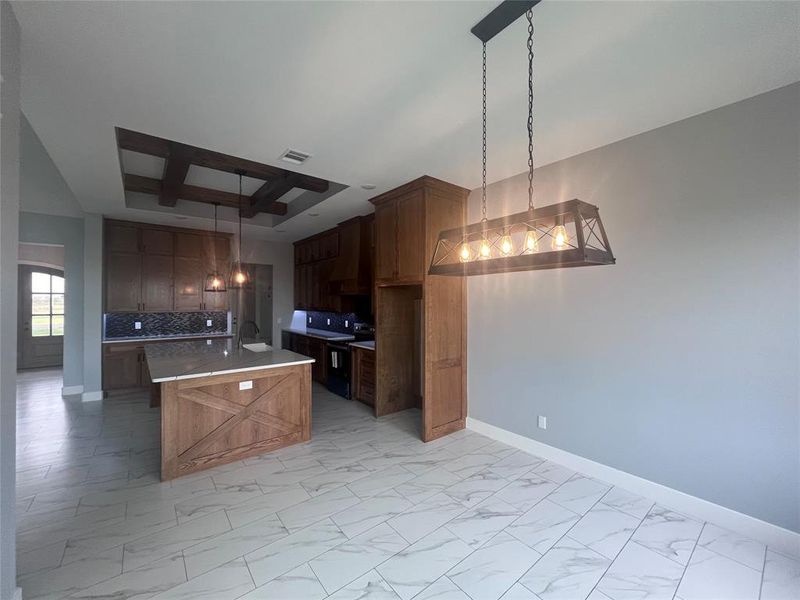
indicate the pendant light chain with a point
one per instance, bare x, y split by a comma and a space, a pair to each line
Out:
483, 188
529, 15
240, 221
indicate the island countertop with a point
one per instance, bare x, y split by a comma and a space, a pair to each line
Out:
171, 361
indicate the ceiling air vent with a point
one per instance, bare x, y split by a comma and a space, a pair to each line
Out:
295, 156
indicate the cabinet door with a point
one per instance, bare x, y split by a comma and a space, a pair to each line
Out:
298, 288
121, 367
411, 237
366, 377
121, 237
157, 283
189, 281
216, 300
157, 241
189, 245
385, 241
217, 249
123, 282
317, 350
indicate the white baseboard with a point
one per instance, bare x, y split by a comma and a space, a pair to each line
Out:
92, 396
777, 538
71, 390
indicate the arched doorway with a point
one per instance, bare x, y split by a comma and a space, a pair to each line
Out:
41, 317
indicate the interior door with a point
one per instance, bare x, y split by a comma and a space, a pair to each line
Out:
41, 317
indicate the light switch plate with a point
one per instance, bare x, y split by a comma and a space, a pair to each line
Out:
245, 385
137, 324
542, 422
209, 322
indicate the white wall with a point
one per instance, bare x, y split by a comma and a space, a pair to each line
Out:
281, 257
678, 364
9, 209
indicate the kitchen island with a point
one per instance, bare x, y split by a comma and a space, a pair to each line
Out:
220, 403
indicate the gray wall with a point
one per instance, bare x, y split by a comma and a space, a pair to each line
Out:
9, 207
680, 363
67, 231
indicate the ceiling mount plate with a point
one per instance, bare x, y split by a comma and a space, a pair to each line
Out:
501, 17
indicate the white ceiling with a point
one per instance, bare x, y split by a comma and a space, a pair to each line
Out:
378, 92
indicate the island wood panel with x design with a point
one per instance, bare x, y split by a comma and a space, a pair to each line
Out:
208, 421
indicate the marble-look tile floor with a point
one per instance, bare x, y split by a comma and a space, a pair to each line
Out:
363, 511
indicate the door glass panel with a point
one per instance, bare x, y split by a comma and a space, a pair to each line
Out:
58, 304
40, 326
58, 325
40, 282
47, 304
40, 304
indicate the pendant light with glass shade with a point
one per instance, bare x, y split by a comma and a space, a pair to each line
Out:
239, 276
518, 242
215, 281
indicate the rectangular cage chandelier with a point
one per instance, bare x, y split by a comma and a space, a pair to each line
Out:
567, 234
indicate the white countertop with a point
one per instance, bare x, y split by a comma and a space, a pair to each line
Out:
370, 345
331, 336
166, 338
186, 360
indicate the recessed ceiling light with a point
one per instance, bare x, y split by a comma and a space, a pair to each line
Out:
368, 186
313, 214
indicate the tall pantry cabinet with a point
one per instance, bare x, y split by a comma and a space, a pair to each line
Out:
420, 319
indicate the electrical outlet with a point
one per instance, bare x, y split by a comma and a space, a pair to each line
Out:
209, 322
245, 385
208, 342
542, 422
309, 320
137, 324
346, 323
329, 321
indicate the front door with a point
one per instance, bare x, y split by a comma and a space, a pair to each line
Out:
41, 317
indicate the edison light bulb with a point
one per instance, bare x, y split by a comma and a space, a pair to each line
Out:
239, 277
465, 254
531, 242
506, 245
215, 283
560, 237
485, 250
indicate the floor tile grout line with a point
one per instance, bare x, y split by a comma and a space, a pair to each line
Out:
763, 572
689, 560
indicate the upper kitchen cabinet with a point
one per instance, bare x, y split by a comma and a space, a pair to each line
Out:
152, 268
400, 235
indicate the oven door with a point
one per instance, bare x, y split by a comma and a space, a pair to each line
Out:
338, 363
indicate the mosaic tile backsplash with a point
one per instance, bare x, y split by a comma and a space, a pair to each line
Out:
319, 320
166, 324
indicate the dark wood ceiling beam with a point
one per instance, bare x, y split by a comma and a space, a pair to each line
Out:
148, 185
268, 194
176, 166
155, 146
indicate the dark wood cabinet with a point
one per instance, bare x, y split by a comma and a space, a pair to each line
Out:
151, 268
314, 261
157, 278
308, 346
123, 282
122, 367
362, 379
420, 320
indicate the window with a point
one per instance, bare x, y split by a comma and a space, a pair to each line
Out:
47, 304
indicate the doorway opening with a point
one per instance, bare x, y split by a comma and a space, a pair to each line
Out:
40, 322
252, 306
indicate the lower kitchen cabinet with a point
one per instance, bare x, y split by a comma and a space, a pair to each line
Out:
308, 346
124, 367
363, 375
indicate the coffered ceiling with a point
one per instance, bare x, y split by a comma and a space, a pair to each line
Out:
377, 92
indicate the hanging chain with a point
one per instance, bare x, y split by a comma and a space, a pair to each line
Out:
240, 221
529, 14
483, 188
